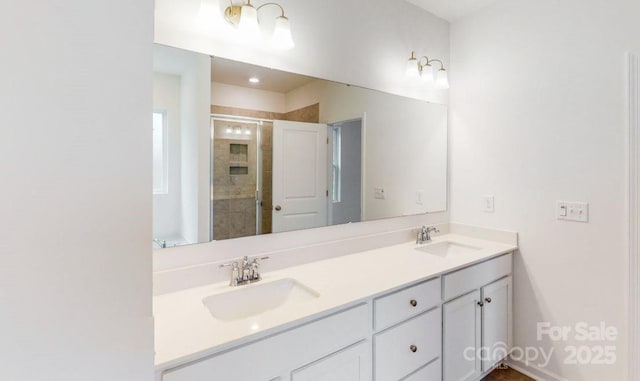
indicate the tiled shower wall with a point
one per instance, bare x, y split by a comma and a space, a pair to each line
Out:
234, 207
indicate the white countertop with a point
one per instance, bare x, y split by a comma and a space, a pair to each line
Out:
185, 330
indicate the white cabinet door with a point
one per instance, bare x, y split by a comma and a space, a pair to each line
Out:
496, 322
461, 338
350, 364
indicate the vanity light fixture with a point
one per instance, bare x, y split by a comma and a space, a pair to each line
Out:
422, 68
245, 17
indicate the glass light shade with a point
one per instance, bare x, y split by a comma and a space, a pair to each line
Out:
412, 68
209, 13
442, 80
248, 25
426, 74
282, 34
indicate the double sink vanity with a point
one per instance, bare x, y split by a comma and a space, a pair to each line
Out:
408, 311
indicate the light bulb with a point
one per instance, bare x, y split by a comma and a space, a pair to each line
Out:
282, 34
248, 25
247, 132
412, 67
426, 73
442, 80
228, 130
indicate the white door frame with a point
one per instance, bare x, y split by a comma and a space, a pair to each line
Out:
634, 216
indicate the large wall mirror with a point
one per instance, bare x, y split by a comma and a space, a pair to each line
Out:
241, 150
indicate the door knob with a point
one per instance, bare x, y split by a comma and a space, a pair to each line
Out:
278, 208
488, 300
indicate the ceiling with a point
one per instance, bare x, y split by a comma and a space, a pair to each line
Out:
452, 10
238, 74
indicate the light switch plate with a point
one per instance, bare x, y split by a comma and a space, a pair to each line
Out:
378, 193
572, 211
419, 197
488, 204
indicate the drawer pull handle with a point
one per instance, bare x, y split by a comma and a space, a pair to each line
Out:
488, 300
481, 304
413, 348
413, 302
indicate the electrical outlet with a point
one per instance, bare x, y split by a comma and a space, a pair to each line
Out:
572, 211
488, 204
378, 193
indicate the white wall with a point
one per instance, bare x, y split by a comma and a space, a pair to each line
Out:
354, 42
166, 206
195, 131
247, 98
538, 115
75, 158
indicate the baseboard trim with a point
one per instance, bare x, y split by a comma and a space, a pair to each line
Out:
534, 372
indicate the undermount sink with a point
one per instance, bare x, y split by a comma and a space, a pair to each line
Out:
245, 301
448, 249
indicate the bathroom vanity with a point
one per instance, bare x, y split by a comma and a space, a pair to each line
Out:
401, 312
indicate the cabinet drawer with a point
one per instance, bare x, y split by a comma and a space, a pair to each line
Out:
431, 372
468, 279
266, 359
401, 305
394, 355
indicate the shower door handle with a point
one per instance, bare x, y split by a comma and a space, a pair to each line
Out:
278, 208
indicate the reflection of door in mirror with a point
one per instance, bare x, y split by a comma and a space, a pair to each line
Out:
300, 190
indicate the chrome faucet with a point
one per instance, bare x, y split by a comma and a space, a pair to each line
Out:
424, 234
248, 273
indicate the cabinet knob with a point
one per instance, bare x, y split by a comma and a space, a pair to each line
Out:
278, 208
413, 302
488, 300
413, 348
481, 304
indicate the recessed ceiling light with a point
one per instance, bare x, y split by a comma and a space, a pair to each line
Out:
254, 80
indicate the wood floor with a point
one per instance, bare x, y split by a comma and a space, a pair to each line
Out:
506, 375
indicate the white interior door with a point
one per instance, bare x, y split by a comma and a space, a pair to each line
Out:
299, 175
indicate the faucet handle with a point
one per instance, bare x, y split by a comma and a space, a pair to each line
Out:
255, 272
234, 264
235, 272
